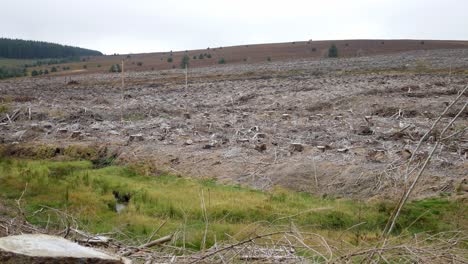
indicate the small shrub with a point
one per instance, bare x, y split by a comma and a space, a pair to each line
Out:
422, 42
85, 66
208, 56
170, 59
269, 59
314, 49
54, 69
140, 63
46, 71
115, 68
185, 62
333, 51
194, 57
99, 65
222, 61
200, 56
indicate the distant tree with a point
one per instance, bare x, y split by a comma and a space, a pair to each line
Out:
169, 59
194, 57
185, 61
28, 49
34, 73
333, 51
54, 69
85, 66
208, 56
40, 72
314, 49
200, 56
46, 71
269, 59
222, 61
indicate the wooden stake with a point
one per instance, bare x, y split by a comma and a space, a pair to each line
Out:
186, 76
123, 92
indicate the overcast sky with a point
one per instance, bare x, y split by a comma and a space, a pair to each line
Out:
134, 26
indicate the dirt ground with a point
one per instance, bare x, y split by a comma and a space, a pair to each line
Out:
339, 127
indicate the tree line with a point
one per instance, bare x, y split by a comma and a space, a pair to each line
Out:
29, 49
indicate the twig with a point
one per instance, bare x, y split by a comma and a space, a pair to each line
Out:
236, 245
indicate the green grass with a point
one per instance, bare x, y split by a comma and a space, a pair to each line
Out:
86, 193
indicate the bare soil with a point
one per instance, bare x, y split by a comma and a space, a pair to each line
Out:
340, 127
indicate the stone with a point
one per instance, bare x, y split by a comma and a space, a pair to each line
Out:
188, 142
39, 248
187, 115
286, 116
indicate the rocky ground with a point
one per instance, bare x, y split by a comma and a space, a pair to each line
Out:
331, 126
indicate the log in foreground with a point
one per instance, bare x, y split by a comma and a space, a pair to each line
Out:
38, 248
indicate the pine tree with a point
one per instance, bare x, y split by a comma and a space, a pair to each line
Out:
333, 51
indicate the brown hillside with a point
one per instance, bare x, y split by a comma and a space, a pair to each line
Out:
261, 53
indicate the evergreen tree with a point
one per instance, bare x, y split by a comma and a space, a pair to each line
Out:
333, 51
28, 49
185, 61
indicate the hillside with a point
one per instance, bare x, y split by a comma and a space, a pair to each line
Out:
29, 49
258, 53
